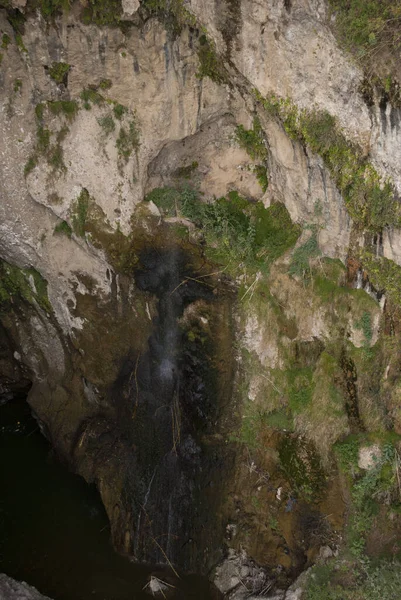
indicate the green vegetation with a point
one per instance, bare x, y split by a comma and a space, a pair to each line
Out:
365, 325
24, 284
252, 140
301, 465
370, 200
237, 233
51, 8
384, 274
105, 84
128, 141
79, 213
63, 228
17, 85
187, 171
102, 12
300, 388
370, 29
261, 176
89, 95
59, 71
107, 124
30, 165
69, 108
210, 65
300, 259
119, 111
355, 580
172, 13
5, 41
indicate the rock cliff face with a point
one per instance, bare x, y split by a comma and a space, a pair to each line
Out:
116, 127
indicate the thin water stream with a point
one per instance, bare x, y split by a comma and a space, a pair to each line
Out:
54, 533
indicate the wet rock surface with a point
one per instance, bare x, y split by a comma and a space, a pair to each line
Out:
18, 590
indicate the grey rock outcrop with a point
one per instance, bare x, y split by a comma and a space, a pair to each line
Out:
18, 590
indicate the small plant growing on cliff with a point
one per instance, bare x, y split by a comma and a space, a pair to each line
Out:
59, 71
88, 96
128, 141
63, 228
80, 213
5, 41
69, 108
252, 140
300, 260
119, 111
209, 63
107, 124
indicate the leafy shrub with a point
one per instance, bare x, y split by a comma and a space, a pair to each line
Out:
63, 228
58, 72
300, 265
252, 140
107, 124
80, 211
236, 231
69, 108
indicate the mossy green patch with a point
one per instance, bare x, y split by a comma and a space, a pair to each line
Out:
5, 41
79, 213
252, 140
210, 65
301, 465
69, 108
236, 232
26, 284
91, 96
64, 228
370, 199
128, 140
59, 71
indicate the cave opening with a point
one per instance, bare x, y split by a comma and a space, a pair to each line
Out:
54, 531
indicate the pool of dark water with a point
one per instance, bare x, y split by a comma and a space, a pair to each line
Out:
54, 533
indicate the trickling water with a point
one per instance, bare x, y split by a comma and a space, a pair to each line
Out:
169, 412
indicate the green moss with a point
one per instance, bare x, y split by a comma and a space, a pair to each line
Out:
63, 228
51, 8
384, 274
5, 41
370, 200
89, 95
367, 28
17, 85
105, 84
171, 13
30, 165
69, 108
300, 383
301, 466
186, 171
119, 111
39, 111
107, 124
24, 284
102, 12
252, 140
261, 175
43, 139
280, 420
300, 259
59, 71
237, 232
55, 158
210, 65
128, 141
79, 213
